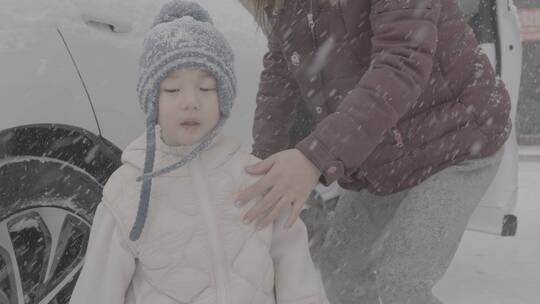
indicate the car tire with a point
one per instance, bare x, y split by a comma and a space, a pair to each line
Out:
46, 211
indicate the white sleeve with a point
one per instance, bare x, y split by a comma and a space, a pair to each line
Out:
109, 265
296, 279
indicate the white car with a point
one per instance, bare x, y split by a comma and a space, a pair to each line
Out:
67, 91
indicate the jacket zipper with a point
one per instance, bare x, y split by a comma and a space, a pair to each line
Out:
398, 138
311, 25
216, 242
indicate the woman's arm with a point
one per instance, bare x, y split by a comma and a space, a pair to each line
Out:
108, 266
404, 43
403, 46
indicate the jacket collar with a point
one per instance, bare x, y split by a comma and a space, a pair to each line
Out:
220, 150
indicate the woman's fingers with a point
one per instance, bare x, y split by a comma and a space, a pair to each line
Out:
255, 190
261, 167
260, 208
289, 177
265, 204
270, 217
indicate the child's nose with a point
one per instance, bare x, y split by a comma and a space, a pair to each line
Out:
190, 101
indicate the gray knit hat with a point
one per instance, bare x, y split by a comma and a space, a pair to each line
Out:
182, 36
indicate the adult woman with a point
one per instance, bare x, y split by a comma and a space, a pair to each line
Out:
409, 117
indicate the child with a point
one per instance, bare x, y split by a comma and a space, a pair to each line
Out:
194, 247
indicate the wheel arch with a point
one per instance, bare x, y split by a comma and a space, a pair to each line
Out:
79, 147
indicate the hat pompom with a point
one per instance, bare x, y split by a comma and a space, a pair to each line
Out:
178, 8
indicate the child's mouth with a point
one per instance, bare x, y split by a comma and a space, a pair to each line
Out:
190, 124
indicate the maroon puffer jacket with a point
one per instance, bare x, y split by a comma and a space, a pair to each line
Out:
399, 90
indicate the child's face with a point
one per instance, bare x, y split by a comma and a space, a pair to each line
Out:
188, 106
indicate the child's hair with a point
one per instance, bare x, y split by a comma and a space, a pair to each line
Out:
259, 6
182, 36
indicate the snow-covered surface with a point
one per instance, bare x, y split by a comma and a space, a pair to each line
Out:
23, 13
489, 269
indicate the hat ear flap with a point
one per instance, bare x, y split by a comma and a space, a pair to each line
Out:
146, 187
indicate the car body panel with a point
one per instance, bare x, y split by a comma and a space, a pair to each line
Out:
108, 62
38, 82
502, 195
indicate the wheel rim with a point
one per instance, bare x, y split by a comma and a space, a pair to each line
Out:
41, 254
46, 209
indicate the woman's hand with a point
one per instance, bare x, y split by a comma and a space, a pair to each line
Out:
289, 177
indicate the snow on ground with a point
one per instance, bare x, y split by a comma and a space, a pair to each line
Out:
500, 270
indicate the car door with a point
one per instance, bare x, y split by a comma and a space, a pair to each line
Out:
496, 26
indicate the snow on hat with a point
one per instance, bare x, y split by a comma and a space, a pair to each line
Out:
182, 36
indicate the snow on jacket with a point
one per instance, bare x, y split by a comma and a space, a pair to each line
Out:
399, 90
194, 247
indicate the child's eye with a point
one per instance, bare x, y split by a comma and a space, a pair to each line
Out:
208, 89
171, 90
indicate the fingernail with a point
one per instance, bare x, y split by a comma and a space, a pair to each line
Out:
238, 204
247, 221
259, 227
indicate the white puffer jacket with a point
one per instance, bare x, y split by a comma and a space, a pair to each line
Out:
194, 247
